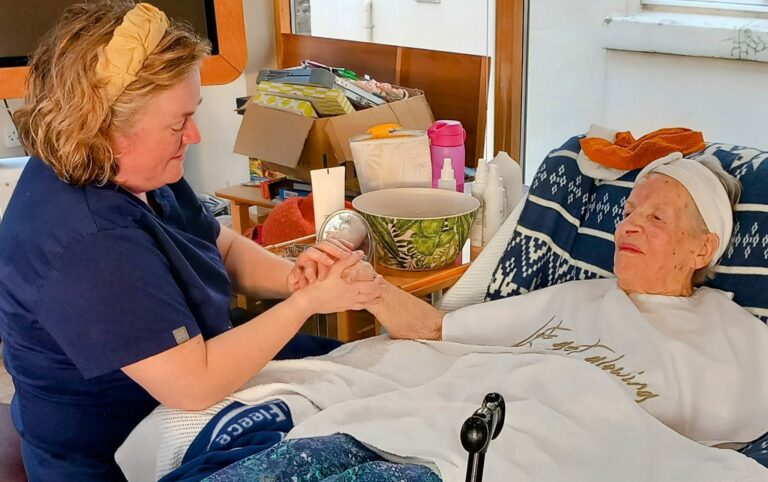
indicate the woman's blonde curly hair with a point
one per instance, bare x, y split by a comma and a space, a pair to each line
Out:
67, 120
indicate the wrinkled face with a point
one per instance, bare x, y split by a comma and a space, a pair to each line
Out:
152, 154
662, 239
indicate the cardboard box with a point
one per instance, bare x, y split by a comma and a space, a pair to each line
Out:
294, 145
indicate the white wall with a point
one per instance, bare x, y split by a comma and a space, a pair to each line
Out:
452, 25
212, 164
5, 120
260, 30
573, 81
10, 170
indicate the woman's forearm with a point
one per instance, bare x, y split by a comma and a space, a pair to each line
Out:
254, 271
405, 316
198, 373
234, 357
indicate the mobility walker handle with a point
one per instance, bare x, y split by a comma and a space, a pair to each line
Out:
477, 432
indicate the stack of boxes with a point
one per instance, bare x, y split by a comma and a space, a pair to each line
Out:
298, 116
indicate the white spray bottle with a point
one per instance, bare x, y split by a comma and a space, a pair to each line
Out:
510, 170
478, 190
447, 179
504, 211
494, 204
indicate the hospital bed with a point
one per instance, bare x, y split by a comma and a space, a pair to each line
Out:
564, 231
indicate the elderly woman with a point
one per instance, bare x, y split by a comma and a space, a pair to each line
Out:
115, 283
682, 352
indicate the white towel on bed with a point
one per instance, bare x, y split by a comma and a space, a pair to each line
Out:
565, 418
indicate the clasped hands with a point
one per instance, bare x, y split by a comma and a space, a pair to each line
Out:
330, 277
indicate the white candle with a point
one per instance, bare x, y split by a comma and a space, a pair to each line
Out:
327, 192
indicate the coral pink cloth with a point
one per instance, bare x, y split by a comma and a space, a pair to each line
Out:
291, 219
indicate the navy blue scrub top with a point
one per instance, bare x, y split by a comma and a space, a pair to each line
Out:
92, 279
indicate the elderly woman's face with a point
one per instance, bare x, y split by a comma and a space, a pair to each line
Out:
152, 154
662, 239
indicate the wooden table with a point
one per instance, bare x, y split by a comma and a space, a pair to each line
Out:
241, 198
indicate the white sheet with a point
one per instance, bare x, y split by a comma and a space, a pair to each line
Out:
699, 363
565, 418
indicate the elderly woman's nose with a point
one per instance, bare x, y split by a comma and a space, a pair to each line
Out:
631, 224
192, 133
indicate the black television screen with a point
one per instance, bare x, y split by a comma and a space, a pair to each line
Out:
23, 23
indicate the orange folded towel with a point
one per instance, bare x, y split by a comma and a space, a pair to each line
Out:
628, 153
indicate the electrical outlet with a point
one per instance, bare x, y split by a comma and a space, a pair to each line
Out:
11, 136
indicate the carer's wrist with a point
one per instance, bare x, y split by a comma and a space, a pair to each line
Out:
300, 303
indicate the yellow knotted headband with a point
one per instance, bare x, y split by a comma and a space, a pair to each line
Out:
132, 42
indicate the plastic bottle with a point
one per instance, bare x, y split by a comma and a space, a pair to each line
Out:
447, 179
493, 204
510, 170
446, 138
478, 191
504, 210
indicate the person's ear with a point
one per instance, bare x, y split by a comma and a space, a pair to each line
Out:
707, 249
120, 145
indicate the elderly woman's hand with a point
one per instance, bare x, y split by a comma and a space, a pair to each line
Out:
314, 263
360, 271
334, 294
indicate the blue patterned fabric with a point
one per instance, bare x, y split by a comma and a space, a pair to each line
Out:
758, 450
565, 231
333, 458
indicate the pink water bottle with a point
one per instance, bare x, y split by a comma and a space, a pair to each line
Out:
447, 140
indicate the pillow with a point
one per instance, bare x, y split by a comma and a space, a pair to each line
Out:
565, 231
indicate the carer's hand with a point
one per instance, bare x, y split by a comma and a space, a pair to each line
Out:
334, 294
313, 264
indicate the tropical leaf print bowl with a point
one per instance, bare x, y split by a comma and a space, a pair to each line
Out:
417, 228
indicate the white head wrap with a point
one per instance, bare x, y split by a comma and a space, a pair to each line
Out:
707, 192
